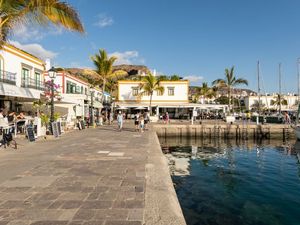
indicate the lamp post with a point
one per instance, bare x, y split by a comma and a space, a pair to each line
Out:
92, 106
52, 76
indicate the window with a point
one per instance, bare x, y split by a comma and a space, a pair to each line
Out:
77, 89
25, 76
135, 91
171, 91
81, 91
71, 88
37, 78
159, 93
146, 93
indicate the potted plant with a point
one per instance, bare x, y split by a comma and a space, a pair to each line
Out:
45, 121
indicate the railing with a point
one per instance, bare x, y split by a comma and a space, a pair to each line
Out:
7, 77
33, 83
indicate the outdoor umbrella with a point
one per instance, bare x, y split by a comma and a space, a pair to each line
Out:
140, 107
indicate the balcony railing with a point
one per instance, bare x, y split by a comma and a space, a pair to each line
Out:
32, 83
7, 77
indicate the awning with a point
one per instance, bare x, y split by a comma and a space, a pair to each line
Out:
14, 91
97, 105
171, 105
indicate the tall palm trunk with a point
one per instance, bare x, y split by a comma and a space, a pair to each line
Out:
150, 108
103, 89
229, 99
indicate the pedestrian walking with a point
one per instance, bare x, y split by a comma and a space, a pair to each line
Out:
120, 121
142, 123
146, 120
167, 118
111, 118
136, 121
287, 118
101, 120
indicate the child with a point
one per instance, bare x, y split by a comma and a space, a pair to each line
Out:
141, 119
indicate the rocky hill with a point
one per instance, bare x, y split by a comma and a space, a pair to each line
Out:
223, 91
90, 75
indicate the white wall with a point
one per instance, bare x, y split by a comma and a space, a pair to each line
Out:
15, 59
266, 101
180, 92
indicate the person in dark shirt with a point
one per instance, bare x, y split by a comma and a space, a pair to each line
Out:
11, 117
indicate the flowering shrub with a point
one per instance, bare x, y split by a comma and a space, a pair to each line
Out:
48, 87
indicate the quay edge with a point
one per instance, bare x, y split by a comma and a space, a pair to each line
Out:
267, 131
161, 203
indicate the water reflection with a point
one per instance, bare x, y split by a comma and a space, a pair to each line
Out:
236, 182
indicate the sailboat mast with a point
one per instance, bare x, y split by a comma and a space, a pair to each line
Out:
258, 87
298, 81
279, 88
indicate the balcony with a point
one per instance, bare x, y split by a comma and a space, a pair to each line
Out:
34, 84
7, 77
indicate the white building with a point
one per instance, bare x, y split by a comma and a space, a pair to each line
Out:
252, 101
174, 100
75, 98
21, 77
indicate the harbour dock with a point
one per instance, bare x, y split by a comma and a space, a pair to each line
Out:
223, 130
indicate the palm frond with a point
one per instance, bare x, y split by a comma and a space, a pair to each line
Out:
43, 12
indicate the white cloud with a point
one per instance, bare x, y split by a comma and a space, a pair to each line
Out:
104, 21
193, 79
34, 32
128, 57
35, 49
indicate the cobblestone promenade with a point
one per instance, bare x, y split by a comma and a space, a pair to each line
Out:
94, 176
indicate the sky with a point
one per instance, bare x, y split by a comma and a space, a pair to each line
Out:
195, 39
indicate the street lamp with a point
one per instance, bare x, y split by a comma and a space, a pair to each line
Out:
92, 106
52, 76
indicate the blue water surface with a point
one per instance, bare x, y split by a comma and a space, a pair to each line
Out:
239, 185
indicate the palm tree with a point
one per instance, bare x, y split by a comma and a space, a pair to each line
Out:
205, 91
279, 100
150, 84
229, 82
175, 77
104, 68
17, 12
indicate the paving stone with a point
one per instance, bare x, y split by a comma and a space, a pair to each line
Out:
135, 204
103, 152
49, 222
75, 223
12, 205
93, 196
123, 223
116, 154
67, 214
96, 222
71, 204
38, 181
97, 204
19, 222
56, 204
38, 214
73, 196
84, 214
136, 214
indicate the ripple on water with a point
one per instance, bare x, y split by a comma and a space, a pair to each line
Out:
256, 186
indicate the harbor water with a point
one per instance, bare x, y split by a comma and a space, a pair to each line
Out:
221, 182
